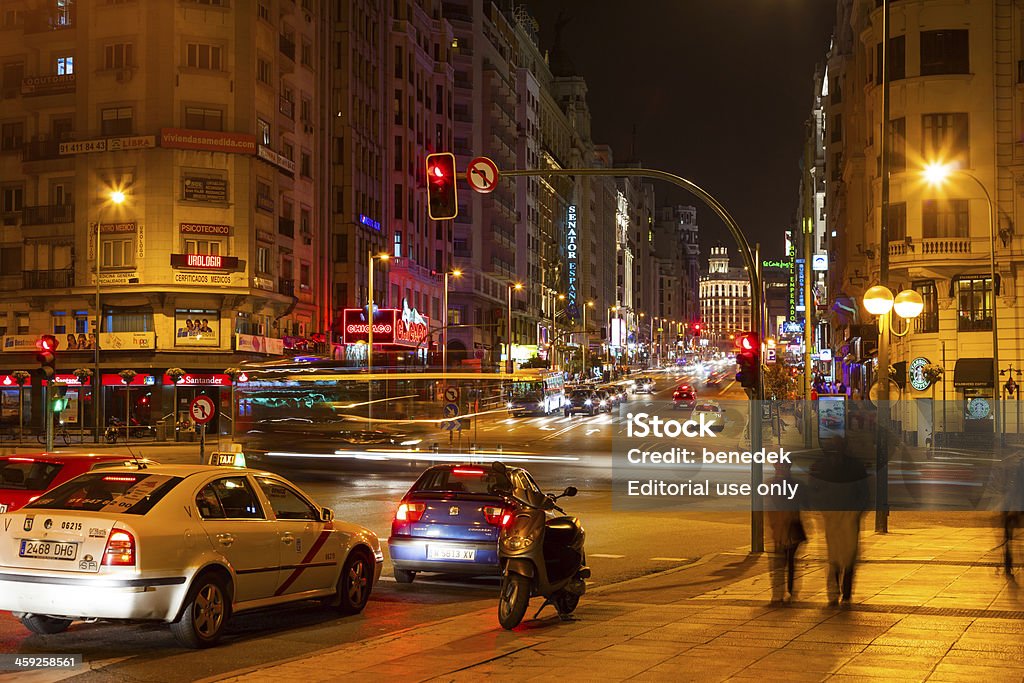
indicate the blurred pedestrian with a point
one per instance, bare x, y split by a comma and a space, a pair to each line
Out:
841, 493
1012, 510
782, 511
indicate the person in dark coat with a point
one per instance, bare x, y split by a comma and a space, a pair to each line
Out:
1012, 509
841, 492
787, 531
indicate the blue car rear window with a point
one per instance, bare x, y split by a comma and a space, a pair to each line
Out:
454, 479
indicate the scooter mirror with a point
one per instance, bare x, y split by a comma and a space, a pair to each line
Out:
569, 491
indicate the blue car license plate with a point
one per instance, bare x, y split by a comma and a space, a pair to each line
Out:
447, 552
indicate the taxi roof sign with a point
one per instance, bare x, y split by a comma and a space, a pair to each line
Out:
227, 459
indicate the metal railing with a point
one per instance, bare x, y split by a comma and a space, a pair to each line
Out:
48, 214
48, 279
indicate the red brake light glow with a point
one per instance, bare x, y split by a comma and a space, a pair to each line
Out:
464, 471
120, 477
120, 550
410, 512
497, 516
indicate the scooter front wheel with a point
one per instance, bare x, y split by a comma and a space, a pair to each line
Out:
513, 600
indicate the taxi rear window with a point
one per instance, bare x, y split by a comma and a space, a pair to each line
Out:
454, 479
131, 493
27, 475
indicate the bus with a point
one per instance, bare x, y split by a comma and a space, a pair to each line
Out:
536, 391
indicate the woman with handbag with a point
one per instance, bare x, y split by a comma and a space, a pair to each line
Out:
787, 529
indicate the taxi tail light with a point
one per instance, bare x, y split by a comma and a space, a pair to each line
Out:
498, 516
120, 550
410, 512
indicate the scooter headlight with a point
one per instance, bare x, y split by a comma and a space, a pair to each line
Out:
519, 542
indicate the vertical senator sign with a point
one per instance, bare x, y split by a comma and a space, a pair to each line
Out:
572, 261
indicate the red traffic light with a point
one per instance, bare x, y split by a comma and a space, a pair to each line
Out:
47, 343
748, 343
442, 196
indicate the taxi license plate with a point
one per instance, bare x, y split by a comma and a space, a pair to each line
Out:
49, 550
442, 552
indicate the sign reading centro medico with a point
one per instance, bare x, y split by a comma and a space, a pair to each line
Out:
571, 257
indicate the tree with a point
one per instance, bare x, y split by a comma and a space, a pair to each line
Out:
779, 384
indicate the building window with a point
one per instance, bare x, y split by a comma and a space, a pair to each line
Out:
12, 136
11, 198
201, 118
398, 243
305, 221
203, 246
263, 260
304, 275
928, 321
945, 138
263, 10
65, 65
306, 55
945, 218
897, 59
263, 73
116, 121
341, 248
974, 303
945, 52
897, 145
118, 252
263, 132
398, 201
897, 222
118, 56
203, 56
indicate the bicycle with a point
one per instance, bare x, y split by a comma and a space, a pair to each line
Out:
59, 432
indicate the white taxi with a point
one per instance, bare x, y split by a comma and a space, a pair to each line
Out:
189, 545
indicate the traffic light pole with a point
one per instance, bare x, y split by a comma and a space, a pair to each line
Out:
48, 416
756, 294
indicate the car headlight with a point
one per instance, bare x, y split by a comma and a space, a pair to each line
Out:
604, 403
588, 402
540, 404
411, 442
509, 406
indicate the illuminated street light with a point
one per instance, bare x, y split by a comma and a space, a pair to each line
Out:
117, 198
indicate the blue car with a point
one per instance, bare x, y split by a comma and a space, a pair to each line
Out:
448, 522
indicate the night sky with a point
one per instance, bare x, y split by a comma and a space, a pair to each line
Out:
719, 92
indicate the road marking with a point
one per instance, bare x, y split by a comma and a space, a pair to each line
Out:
606, 557
670, 559
591, 431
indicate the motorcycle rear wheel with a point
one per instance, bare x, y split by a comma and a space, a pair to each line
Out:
566, 602
513, 600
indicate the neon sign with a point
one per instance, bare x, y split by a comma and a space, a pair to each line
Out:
571, 257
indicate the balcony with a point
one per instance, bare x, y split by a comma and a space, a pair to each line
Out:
48, 214
286, 286
287, 107
287, 46
399, 263
286, 226
44, 21
48, 279
265, 203
932, 247
41, 150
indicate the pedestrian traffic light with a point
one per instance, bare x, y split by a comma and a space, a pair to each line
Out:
442, 198
749, 360
696, 329
47, 356
60, 397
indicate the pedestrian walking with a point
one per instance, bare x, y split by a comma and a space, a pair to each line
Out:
1012, 509
841, 493
787, 529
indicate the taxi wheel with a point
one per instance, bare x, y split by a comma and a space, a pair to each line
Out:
202, 619
404, 576
355, 583
37, 623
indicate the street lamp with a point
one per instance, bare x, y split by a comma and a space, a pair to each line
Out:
369, 335
935, 174
586, 337
908, 304
517, 286
115, 197
444, 320
552, 335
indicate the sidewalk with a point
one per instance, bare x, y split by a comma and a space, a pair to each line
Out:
929, 604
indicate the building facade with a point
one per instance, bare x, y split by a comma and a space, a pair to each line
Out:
724, 300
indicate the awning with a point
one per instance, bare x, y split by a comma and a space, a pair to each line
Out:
970, 373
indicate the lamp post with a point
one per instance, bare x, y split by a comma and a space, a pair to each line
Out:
586, 338
444, 321
369, 335
936, 174
517, 286
908, 304
115, 197
552, 334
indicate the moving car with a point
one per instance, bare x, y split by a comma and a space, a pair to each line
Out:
605, 401
581, 401
188, 545
643, 385
714, 379
684, 397
23, 478
712, 413
618, 392
449, 522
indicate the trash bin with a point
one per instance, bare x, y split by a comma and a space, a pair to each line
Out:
161, 432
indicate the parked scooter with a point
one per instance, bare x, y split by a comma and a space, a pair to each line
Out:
538, 554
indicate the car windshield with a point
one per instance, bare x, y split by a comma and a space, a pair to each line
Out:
25, 474
129, 493
581, 394
454, 479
